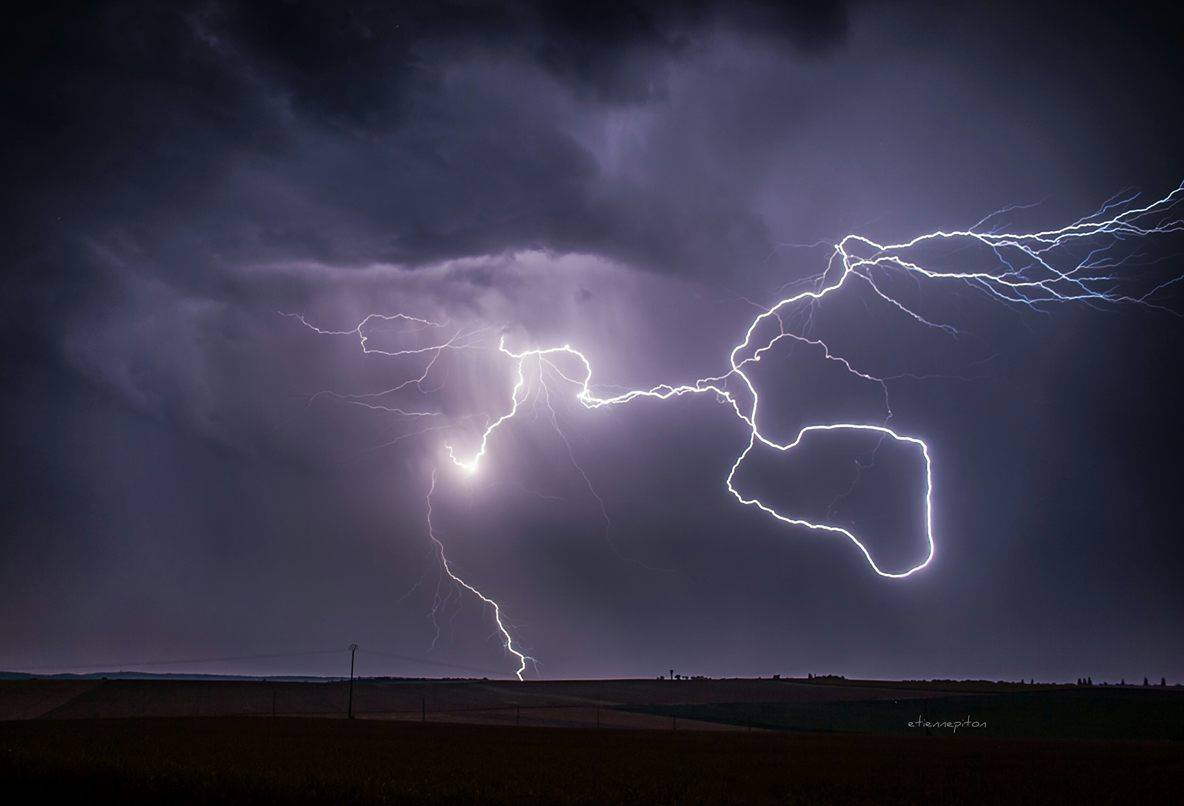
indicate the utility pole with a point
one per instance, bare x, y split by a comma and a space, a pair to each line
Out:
353, 651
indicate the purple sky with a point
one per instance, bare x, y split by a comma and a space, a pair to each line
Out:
633, 181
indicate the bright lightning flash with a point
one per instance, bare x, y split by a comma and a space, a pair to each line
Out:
1076, 263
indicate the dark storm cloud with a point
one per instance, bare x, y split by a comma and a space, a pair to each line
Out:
353, 65
135, 116
154, 149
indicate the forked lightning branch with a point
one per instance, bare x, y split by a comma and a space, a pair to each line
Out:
1089, 261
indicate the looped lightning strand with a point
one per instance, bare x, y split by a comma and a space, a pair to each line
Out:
1034, 270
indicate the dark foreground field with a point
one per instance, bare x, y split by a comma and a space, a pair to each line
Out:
1003, 711
632, 741
261, 760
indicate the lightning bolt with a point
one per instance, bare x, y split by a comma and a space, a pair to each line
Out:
494, 607
1034, 270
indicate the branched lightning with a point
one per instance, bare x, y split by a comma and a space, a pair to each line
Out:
1076, 263
494, 607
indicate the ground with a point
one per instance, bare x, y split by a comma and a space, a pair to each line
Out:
244, 759
63, 740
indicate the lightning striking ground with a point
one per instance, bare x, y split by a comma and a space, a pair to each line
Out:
494, 607
1079, 263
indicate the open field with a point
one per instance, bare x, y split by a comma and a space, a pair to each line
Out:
447, 700
1008, 710
632, 741
245, 759
1051, 714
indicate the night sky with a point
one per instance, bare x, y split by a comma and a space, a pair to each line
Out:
636, 179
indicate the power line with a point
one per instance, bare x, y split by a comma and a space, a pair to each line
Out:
428, 662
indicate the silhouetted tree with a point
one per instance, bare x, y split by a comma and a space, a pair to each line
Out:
1163, 681
1145, 682
1089, 681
